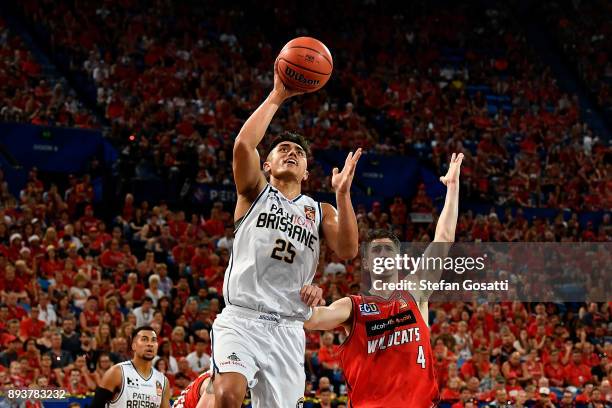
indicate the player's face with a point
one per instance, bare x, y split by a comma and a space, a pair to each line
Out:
378, 250
145, 345
287, 160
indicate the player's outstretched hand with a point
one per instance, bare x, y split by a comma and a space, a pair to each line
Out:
280, 89
341, 181
454, 167
312, 295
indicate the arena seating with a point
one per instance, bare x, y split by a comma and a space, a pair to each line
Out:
181, 85
582, 31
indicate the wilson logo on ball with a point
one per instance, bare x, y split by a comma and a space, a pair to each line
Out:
299, 77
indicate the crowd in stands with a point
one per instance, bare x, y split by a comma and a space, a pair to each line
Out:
26, 95
583, 31
176, 90
74, 287
176, 80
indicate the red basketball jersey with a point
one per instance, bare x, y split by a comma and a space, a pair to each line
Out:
190, 396
387, 358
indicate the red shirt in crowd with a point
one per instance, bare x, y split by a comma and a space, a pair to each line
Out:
183, 254
577, 374
31, 328
14, 285
330, 355
110, 259
138, 293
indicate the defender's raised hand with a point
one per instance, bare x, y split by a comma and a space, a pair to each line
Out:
454, 168
341, 181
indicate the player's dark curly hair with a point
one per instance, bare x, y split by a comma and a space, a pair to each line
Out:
290, 137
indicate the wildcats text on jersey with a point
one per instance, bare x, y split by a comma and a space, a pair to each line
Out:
392, 330
298, 228
396, 338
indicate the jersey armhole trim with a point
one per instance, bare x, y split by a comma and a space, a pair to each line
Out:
353, 322
320, 220
122, 385
244, 217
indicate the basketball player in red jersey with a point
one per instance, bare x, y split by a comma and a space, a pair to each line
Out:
198, 394
387, 358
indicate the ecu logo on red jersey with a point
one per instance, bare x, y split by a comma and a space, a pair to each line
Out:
369, 309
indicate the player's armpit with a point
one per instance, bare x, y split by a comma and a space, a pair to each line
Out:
329, 317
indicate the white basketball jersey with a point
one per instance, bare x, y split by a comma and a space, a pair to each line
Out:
137, 391
275, 253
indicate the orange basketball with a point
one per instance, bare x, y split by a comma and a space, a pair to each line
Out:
305, 64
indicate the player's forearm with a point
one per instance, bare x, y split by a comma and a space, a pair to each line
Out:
330, 317
254, 128
447, 223
348, 232
323, 318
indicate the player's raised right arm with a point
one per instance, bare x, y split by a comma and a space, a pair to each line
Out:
246, 164
329, 317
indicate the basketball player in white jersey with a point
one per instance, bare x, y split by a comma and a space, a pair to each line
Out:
135, 383
258, 340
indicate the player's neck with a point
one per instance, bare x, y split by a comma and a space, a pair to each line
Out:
289, 188
142, 366
385, 294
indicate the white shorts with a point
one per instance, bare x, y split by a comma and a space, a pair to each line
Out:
267, 349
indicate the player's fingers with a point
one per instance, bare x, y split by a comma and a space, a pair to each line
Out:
350, 156
322, 302
453, 157
357, 155
460, 158
335, 171
312, 298
315, 295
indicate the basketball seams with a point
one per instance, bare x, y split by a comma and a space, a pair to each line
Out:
304, 68
313, 50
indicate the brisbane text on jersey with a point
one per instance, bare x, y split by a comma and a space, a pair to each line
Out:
297, 227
